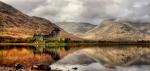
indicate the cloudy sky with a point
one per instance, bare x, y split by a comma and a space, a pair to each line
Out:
92, 11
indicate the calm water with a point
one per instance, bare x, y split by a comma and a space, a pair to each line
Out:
28, 56
94, 58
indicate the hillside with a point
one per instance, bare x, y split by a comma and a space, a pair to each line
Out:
75, 27
116, 31
15, 24
144, 27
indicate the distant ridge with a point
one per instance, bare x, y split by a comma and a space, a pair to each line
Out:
75, 27
115, 31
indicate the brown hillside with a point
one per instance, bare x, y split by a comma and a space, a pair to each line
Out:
116, 31
14, 23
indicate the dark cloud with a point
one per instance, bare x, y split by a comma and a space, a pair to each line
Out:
85, 10
25, 6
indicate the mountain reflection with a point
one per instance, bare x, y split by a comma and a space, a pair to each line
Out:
106, 55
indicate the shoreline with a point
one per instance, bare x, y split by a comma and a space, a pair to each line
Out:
79, 44
17, 44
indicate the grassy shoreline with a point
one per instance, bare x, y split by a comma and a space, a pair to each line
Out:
75, 44
27, 44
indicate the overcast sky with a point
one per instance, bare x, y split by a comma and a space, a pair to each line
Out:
84, 10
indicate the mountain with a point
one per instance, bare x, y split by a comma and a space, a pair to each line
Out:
75, 27
116, 31
15, 24
144, 27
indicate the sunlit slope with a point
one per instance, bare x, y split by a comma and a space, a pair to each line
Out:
15, 24
116, 31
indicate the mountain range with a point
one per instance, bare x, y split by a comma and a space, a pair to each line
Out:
75, 27
144, 27
16, 24
116, 31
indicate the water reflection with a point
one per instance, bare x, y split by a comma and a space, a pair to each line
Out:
29, 56
106, 55
109, 56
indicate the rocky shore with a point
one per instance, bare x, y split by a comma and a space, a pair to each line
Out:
90, 67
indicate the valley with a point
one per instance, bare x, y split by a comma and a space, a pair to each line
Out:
30, 42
